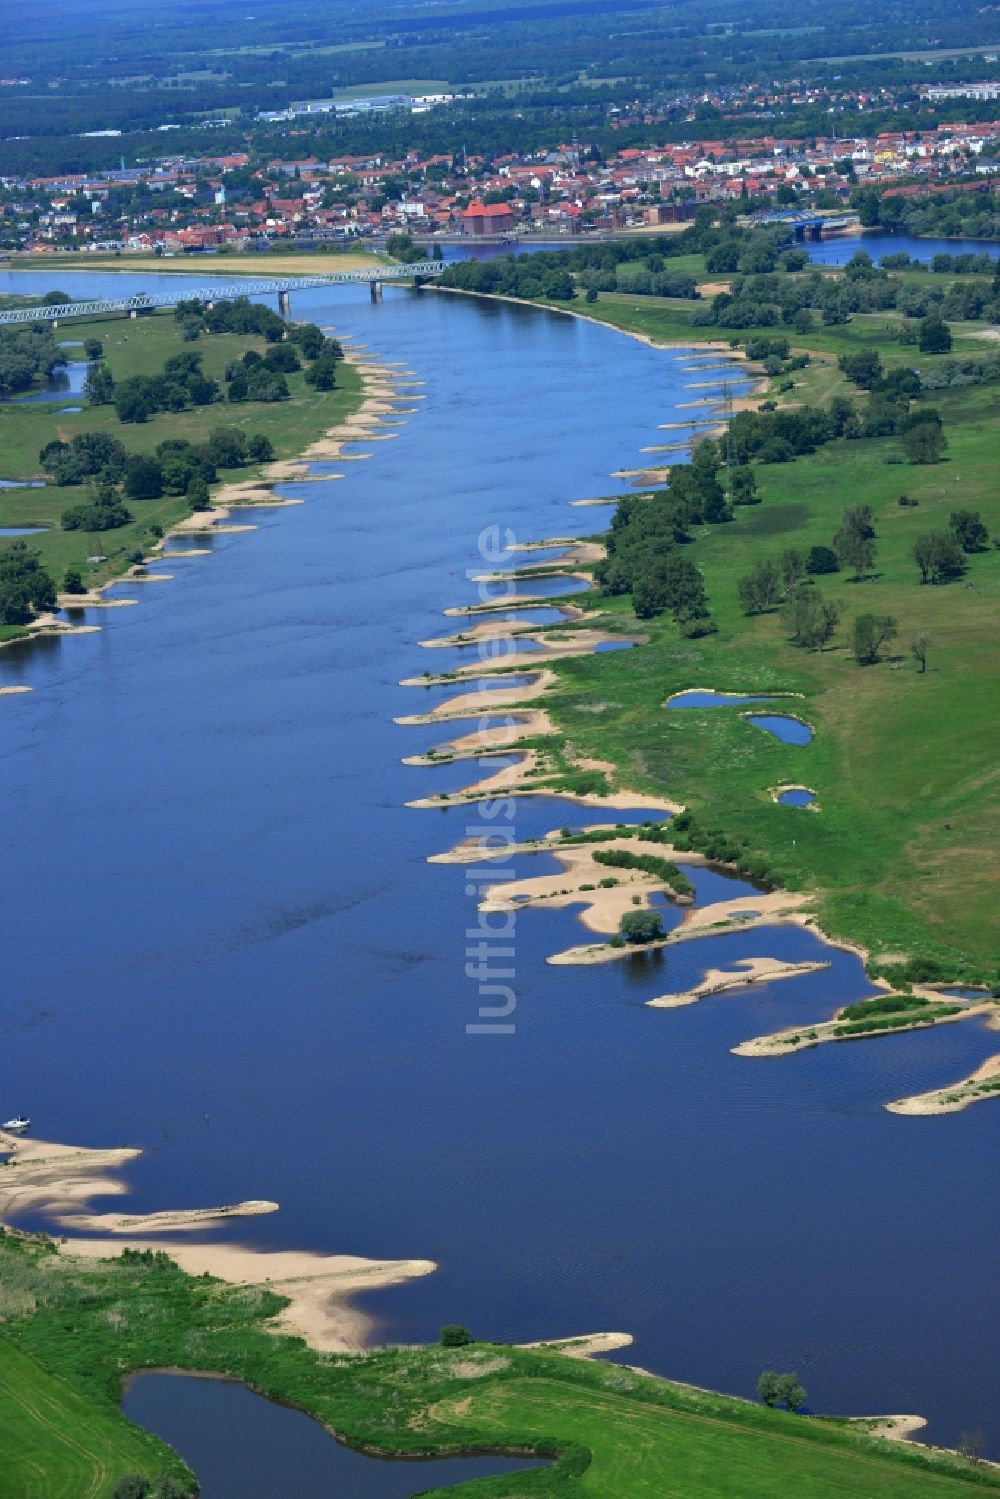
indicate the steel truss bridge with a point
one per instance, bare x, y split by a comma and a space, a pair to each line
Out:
421, 270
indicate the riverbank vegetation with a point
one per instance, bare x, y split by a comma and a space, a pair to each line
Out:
160, 433
73, 1329
896, 666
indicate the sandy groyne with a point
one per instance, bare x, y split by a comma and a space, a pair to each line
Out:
58, 1181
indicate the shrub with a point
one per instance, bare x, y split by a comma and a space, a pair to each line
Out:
454, 1335
822, 560
73, 581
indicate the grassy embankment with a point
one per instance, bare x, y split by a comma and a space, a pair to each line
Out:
140, 347
72, 1330
904, 855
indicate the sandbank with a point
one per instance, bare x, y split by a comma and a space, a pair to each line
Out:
742, 915
15, 690
981, 1084
746, 971
59, 1180
588, 1345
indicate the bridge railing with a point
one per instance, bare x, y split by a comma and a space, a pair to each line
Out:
226, 292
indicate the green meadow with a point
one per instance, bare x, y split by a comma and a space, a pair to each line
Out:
140, 346
73, 1330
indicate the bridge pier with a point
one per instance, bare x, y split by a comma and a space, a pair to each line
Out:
375, 287
133, 312
284, 303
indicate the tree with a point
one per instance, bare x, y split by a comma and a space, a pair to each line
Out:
72, 581
322, 373
925, 443
132, 1486
822, 560
743, 486
260, 449
863, 369
968, 529
854, 543
791, 1392
143, 477
760, 590
793, 566
970, 1446
454, 1335
25, 587
811, 619
935, 335
641, 926
868, 634
938, 556
99, 386
919, 643
197, 493
769, 1387
93, 348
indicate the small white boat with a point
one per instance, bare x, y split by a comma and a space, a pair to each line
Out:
17, 1125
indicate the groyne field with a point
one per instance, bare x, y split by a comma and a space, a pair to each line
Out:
142, 347
73, 1330
903, 855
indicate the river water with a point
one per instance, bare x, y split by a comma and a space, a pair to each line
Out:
223, 942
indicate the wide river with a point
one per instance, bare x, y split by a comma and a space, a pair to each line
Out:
223, 942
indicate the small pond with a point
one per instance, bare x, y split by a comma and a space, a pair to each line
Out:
796, 796
22, 530
697, 699
613, 645
239, 1443
22, 483
788, 730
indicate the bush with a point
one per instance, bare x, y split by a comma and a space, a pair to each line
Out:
822, 560
454, 1335
73, 581
107, 515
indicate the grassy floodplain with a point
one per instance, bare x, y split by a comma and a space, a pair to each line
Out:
140, 347
904, 856
207, 268
72, 1330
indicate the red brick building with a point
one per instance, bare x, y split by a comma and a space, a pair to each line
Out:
487, 218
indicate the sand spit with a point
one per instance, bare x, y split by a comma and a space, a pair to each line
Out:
551, 647
510, 601
746, 971
59, 1180
803, 1037
486, 702
588, 1345
152, 1223
15, 691
740, 915
495, 629
579, 881
981, 1084
488, 740
91, 601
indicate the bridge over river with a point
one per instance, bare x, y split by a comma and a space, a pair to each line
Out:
808, 225
54, 313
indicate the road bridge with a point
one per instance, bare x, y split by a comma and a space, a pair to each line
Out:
282, 288
808, 225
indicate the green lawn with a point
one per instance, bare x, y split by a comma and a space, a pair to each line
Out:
58, 1445
648, 1451
140, 347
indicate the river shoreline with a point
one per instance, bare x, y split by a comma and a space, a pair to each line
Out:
375, 399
